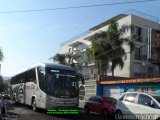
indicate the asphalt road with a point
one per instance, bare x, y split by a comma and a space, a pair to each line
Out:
21, 112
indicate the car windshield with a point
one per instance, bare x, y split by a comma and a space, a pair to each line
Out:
110, 100
157, 98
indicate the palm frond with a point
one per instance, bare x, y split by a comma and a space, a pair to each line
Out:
123, 29
60, 58
1, 55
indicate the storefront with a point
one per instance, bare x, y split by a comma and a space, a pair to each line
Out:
115, 88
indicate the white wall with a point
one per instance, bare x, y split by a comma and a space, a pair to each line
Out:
144, 24
130, 66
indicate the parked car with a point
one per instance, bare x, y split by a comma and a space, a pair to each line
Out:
138, 104
101, 105
5, 95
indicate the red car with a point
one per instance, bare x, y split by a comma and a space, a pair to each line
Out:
101, 105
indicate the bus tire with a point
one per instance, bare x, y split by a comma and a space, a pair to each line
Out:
34, 106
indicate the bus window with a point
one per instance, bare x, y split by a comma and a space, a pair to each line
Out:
12, 80
41, 77
51, 78
22, 78
31, 76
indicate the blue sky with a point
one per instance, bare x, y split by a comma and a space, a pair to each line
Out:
28, 38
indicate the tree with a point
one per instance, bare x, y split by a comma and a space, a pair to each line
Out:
3, 86
98, 46
107, 46
60, 58
1, 55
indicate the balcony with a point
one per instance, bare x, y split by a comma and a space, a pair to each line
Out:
137, 38
74, 54
138, 57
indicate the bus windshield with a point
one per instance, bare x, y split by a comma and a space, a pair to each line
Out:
61, 83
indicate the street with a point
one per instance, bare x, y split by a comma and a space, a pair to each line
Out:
23, 112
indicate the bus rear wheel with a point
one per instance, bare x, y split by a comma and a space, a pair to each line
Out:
34, 106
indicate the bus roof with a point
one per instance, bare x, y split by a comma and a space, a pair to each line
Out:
58, 66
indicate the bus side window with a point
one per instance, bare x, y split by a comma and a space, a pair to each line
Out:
31, 76
41, 77
22, 78
13, 80
18, 79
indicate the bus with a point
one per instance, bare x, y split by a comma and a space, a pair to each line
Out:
47, 86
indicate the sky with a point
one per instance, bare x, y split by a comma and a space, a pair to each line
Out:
33, 37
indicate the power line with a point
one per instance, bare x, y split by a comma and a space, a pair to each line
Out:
77, 7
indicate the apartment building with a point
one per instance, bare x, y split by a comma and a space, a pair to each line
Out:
137, 64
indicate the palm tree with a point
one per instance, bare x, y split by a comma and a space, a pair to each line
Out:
115, 36
99, 46
60, 58
111, 41
2, 86
1, 55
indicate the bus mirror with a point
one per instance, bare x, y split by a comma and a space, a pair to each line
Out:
80, 78
82, 81
57, 76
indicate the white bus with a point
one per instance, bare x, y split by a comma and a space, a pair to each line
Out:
47, 86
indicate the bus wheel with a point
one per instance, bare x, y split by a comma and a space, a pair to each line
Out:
34, 107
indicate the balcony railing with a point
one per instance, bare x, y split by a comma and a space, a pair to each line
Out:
138, 57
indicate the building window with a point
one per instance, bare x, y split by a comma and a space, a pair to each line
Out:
137, 75
91, 71
138, 54
150, 72
137, 34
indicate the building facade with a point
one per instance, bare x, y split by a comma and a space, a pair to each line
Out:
143, 62
114, 88
137, 64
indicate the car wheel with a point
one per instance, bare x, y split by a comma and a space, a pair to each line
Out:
86, 110
118, 115
105, 113
34, 106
